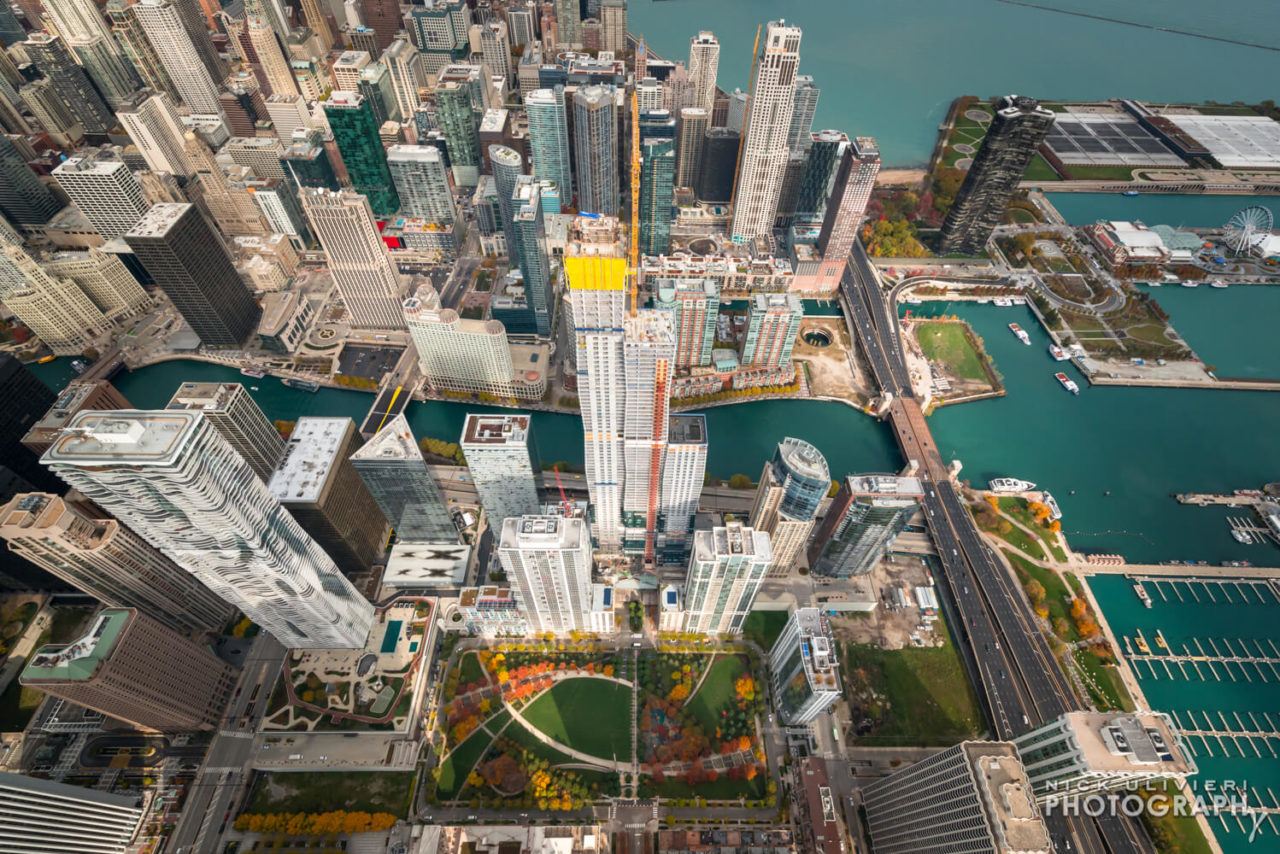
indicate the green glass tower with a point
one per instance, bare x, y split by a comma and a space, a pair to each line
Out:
657, 187
461, 128
356, 133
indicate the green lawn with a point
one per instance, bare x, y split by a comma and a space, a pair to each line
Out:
716, 691
1040, 170
917, 696
1111, 692
948, 342
1016, 508
763, 627
459, 762
1055, 590
17, 704
1100, 173
1175, 834
521, 736
370, 791
469, 669
587, 714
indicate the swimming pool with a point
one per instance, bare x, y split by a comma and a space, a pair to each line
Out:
392, 638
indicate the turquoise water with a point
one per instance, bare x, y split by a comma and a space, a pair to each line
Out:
890, 68
391, 639
1233, 331
55, 374
1138, 444
1155, 209
1181, 621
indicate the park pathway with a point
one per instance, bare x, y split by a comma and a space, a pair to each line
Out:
703, 678
603, 764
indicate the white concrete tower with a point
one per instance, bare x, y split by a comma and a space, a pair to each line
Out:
764, 144
162, 23
173, 479
548, 560
362, 270
155, 127
649, 352
104, 190
504, 466
725, 572
54, 308
704, 65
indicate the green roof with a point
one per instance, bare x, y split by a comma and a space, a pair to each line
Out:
78, 661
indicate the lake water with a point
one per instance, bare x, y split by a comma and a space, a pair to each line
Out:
890, 68
1156, 209
1233, 331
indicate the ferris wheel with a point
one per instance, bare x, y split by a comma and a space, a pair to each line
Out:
1246, 226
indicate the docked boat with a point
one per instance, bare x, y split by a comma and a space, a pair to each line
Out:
1169, 279
1130, 193
1241, 536
1021, 333
1003, 302
1143, 595
1190, 284
253, 372
79, 365
1141, 643
1218, 283
1055, 512
1010, 485
1067, 383
1058, 354
301, 385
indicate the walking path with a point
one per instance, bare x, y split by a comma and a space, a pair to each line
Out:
703, 678
586, 758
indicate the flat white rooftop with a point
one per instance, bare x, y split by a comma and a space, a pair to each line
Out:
1249, 142
133, 436
393, 443
427, 565
309, 457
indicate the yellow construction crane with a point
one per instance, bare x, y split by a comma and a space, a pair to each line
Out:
633, 256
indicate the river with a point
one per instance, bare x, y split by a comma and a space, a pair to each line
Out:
890, 68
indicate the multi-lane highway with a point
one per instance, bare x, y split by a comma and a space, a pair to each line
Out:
1019, 681
225, 772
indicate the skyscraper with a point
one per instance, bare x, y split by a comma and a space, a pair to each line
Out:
595, 129
422, 182
495, 49
862, 522
683, 472
24, 200
86, 33
179, 249
156, 129
694, 305
462, 354
136, 47
105, 279
973, 798
24, 400
704, 64
105, 560
657, 195
694, 123
404, 63
1080, 753
271, 57
507, 166
53, 307
78, 395
233, 413
317, 482
826, 153
803, 669
800, 133
70, 82
596, 269
548, 561
362, 270
791, 489
51, 112
1019, 126
613, 26
847, 205
725, 573
397, 477
504, 465
649, 346
549, 138
184, 62
36, 813
104, 190
528, 222
356, 133
765, 144
383, 17
176, 482
568, 23
772, 326
457, 116
130, 667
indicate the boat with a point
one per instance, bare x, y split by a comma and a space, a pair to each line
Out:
1169, 279
1055, 512
44, 360
1155, 284
1241, 536
79, 365
1130, 193
1021, 333
1058, 354
253, 372
1003, 302
301, 385
1010, 485
1067, 383
1141, 643
1190, 284
1143, 595
254, 388
1218, 283
1160, 641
